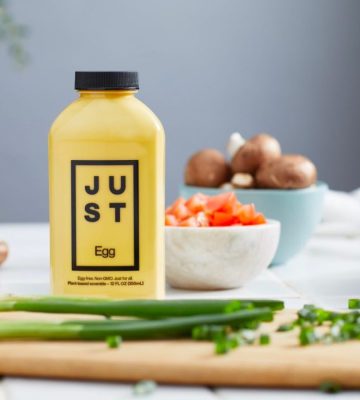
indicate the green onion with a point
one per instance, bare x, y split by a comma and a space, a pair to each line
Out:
248, 335
264, 339
135, 308
286, 327
307, 336
144, 388
113, 342
222, 346
311, 313
330, 387
236, 305
132, 330
235, 340
354, 303
209, 332
336, 326
251, 325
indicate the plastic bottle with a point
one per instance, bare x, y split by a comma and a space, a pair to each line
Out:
106, 175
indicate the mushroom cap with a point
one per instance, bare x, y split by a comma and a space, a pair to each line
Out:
291, 171
260, 148
207, 168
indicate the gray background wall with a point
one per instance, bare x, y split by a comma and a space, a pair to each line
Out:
207, 68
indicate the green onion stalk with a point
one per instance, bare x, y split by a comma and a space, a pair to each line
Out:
150, 309
180, 327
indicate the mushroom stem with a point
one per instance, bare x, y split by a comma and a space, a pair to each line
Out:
235, 142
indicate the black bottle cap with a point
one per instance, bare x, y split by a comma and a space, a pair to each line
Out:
106, 80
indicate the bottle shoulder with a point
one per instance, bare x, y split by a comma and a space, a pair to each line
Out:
91, 118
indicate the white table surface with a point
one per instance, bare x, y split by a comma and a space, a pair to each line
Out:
327, 273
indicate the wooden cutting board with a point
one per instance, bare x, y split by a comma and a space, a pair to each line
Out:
281, 364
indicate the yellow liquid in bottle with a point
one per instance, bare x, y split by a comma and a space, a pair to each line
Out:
106, 176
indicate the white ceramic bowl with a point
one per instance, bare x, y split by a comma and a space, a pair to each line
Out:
219, 258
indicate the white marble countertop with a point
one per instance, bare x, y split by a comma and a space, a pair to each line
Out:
327, 273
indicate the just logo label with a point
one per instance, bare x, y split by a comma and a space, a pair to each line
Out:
105, 215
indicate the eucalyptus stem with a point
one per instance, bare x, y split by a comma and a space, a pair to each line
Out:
13, 34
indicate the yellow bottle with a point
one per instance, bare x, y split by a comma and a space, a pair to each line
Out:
106, 177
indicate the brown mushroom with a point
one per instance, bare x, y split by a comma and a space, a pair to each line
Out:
207, 168
257, 150
292, 171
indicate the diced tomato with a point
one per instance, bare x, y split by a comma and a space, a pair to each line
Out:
179, 209
246, 214
191, 222
222, 219
220, 210
259, 219
181, 212
237, 208
175, 205
230, 206
202, 219
221, 202
197, 203
170, 220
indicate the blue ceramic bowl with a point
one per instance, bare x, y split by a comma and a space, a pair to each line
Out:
299, 211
